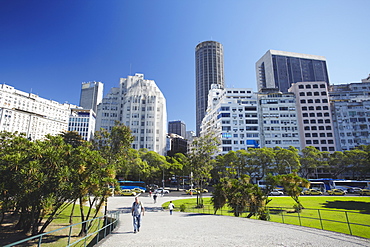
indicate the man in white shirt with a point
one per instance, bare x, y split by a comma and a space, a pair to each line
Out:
136, 210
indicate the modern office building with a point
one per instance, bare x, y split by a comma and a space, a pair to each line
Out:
209, 69
30, 114
351, 114
232, 116
177, 127
91, 95
139, 104
314, 115
278, 119
280, 69
177, 144
82, 121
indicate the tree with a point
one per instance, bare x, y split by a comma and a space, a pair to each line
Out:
157, 165
311, 159
240, 195
286, 160
358, 161
338, 163
261, 160
201, 160
292, 184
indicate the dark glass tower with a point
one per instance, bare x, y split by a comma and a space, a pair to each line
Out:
280, 69
209, 69
177, 127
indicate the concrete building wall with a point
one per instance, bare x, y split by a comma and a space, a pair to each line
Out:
30, 114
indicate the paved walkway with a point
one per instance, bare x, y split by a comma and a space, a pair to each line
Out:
159, 228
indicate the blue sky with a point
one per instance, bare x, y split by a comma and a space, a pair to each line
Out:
50, 47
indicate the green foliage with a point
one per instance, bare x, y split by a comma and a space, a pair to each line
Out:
293, 187
182, 208
201, 160
41, 178
240, 195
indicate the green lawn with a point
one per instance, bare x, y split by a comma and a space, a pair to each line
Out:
334, 211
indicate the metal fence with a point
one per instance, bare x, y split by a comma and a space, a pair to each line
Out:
348, 222
98, 229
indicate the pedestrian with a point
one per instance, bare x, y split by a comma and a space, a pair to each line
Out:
155, 197
136, 210
171, 206
150, 193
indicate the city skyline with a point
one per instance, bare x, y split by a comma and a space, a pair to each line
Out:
50, 47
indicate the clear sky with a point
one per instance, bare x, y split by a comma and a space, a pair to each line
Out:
49, 47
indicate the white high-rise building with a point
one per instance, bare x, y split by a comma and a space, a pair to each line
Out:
30, 114
351, 111
314, 115
278, 119
232, 116
82, 121
139, 104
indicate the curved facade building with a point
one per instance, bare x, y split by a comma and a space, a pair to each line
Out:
209, 69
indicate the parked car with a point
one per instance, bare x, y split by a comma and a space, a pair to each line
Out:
161, 190
312, 192
339, 192
128, 192
276, 193
365, 192
354, 190
138, 190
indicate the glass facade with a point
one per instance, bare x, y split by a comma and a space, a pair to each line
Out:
288, 70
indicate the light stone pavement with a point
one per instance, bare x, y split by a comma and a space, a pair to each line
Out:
159, 228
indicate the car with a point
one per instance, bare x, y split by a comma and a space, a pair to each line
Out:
339, 192
138, 190
312, 192
365, 192
354, 190
128, 192
203, 190
192, 191
161, 191
276, 193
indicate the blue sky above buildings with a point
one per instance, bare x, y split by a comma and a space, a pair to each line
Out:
50, 47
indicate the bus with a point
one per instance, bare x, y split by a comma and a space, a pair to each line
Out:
320, 186
132, 185
346, 184
331, 183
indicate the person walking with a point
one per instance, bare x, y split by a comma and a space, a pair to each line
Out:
136, 210
155, 197
171, 206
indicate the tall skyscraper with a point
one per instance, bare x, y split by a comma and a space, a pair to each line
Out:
140, 105
280, 69
177, 127
209, 69
91, 95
